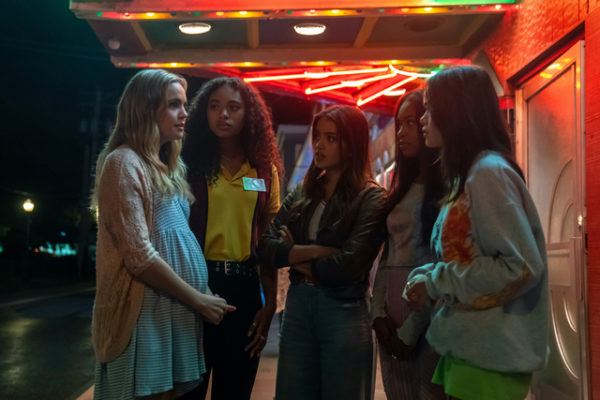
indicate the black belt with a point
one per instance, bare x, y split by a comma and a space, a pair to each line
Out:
245, 269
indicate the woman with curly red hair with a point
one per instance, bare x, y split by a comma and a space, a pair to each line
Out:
234, 167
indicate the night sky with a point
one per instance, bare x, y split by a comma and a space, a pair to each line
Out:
53, 66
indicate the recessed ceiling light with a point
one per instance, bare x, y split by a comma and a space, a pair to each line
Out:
114, 43
309, 28
194, 28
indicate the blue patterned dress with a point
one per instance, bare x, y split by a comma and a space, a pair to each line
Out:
165, 350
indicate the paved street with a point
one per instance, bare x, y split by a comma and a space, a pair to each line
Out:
46, 351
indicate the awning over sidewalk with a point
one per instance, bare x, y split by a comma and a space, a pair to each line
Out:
364, 55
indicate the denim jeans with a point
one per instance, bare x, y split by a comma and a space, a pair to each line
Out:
326, 347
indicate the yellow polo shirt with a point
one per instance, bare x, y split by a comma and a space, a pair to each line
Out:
230, 214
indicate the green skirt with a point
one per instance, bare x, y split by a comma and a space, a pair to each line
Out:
465, 381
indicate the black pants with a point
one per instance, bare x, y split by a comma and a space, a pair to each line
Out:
232, 368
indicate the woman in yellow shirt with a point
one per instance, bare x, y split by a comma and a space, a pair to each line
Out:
234, 167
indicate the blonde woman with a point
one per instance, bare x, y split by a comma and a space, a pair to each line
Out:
151, 275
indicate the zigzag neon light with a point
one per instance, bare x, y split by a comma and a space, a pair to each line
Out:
360, 101
314, 75
351, 83
415, 74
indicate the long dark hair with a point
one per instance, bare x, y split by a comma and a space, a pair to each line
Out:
406, 170
353, 132
464, 106
201, 147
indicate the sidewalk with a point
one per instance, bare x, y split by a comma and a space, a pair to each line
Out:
264, 386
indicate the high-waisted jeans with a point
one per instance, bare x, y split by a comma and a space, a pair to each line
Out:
326, 347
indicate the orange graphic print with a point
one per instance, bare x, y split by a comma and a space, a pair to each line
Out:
457, 242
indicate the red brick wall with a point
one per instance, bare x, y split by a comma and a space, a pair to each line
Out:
530, 29
592, 165
522, 36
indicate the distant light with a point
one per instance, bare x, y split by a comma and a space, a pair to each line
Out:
150, 14
220, 13
98, 14
28, 205
57, 249
309, 29
428, 9
63, 234
335, 11
194, 28
498, 6
312, 11
243, 12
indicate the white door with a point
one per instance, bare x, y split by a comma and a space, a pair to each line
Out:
550, 146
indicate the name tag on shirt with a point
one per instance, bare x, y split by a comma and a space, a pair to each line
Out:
254, 184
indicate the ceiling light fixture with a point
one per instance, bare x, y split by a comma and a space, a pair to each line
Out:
194, 28
309, 28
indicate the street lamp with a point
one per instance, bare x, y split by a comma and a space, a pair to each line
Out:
28, 206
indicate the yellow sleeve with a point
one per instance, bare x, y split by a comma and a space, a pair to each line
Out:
273, 203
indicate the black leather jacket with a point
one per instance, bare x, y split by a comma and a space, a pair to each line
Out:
356, 229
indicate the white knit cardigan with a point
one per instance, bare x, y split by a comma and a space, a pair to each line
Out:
123, 250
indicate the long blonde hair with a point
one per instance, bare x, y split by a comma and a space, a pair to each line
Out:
137, 128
